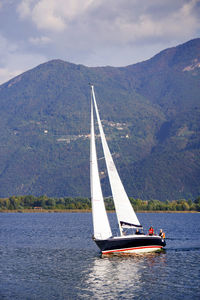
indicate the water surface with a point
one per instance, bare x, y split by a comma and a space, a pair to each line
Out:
52, 256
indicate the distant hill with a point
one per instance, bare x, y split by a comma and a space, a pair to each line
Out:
151, 116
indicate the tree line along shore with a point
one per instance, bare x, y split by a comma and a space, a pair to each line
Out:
45, 203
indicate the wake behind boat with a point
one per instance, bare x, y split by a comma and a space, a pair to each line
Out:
127, 219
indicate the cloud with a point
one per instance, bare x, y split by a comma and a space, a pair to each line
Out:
46, 16
136, 21
24, 9
113, 21
6, 74
19, 63
14, 61
52, 15
43, 40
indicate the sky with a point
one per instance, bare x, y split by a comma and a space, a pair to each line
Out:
91, 32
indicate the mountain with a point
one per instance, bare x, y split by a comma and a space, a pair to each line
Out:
151, 116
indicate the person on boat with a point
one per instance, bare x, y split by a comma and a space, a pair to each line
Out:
162, 234
123, 232
137, 231
151, 231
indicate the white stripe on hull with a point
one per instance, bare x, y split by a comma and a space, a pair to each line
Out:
135, 250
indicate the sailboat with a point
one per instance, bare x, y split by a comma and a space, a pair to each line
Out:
127, 219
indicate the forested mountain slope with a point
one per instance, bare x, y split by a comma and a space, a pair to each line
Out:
151, 116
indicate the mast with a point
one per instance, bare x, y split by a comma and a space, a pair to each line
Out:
101, 224
124, 210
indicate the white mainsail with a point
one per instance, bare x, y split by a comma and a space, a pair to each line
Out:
124, 210
100, 219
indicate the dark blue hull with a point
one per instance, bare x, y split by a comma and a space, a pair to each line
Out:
132, 244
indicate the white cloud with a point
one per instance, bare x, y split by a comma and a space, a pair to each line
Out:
152, 21
43, 40
113, 21
19, 63
45, 16
6, 49
7, 74
24, 9
53, 15
13, 61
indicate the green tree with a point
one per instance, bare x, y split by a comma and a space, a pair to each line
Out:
197, 203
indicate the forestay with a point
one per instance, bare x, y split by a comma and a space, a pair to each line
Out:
100, 220
124, 210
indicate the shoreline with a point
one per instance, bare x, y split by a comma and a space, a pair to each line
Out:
84, 211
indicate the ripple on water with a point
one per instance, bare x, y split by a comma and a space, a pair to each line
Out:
52, 256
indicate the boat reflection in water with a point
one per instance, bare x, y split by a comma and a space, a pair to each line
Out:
124, 276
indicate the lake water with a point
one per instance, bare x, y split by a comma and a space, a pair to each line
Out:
52, 256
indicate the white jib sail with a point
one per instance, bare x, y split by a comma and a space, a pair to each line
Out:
124, 210
101, 224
